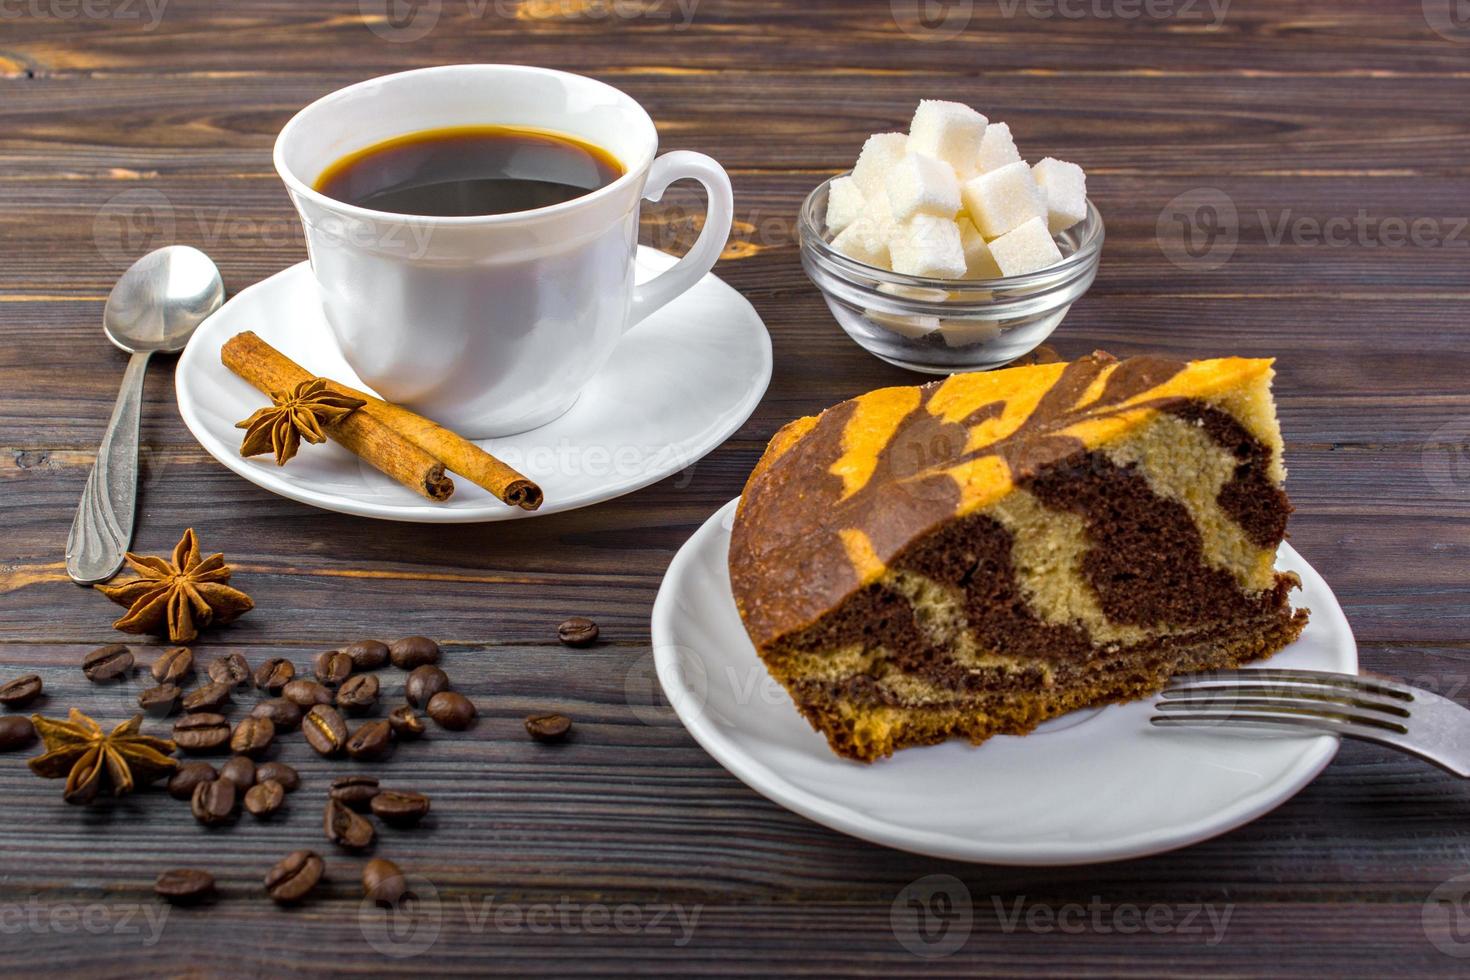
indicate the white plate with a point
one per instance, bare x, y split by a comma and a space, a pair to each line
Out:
678, 385
1095, 785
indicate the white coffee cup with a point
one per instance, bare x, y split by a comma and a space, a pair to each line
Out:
490, 325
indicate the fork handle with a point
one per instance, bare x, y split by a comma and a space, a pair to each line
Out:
103, 527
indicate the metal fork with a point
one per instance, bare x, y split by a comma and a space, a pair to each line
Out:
1370, 708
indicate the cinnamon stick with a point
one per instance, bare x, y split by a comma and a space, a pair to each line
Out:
371, 438
269, 370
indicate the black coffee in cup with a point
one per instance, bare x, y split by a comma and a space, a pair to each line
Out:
470, 171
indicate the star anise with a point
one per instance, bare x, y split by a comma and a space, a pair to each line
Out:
78, 750
180, 596
296, 415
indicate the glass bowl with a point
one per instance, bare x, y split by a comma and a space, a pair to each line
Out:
941, 326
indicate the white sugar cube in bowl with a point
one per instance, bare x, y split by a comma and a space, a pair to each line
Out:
951, 132
976, 317
944, 250
1001, 199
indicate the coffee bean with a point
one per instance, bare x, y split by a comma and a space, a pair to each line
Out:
173, 665
21, 691
253, 736
278, 772
240, 770
367, 654
202, 732
371, 741
452, 710
16, 732
324, 729
161, 700
579, 631
213, 803
423, 683
356, 791
210, 697
358, 693
279, 712
382, 882
347, 828
229, 669
108, 663
332, 667
184, 885
274, 675
405, 722
306, 693
400, 807
293, 878
413, 651
265, 798
181, 784
548, 728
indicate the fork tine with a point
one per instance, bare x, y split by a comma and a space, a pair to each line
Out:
1270, 722
1276, 707
1237, 694
1369, 685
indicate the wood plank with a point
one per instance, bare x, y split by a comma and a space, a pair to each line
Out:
1376, 371
1391, 543
1295, 109
1364, 126
1340, 37
637, 815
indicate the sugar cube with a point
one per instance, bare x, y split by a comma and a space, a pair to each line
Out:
922, 294
878, 212
1064, 186
845, 202
879, 155
997, 148
865, 240
918, 184
962, 333
907, 325
1001, 199
948, 131
929, 246
979, 263
1028, 248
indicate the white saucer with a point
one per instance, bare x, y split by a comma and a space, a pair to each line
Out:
1096, 785
678, 385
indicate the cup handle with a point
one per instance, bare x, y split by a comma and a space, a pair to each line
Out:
719, 213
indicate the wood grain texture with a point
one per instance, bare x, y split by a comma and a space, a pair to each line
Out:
120, 132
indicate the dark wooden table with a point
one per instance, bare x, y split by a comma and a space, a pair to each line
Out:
1337, 131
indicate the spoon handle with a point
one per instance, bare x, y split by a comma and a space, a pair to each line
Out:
103, 527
